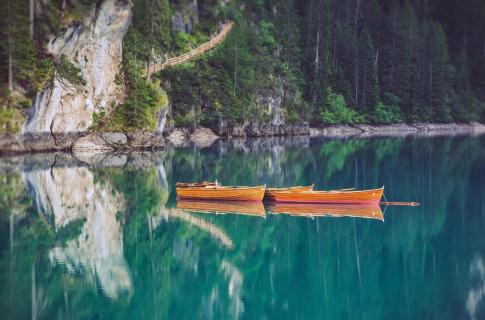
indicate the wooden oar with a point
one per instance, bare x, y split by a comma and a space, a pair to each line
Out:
395, 203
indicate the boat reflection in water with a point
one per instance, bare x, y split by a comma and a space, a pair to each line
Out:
250, 208
368, 211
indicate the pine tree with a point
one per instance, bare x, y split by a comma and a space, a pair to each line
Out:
369, 84
17, 46
317, 52
437, 73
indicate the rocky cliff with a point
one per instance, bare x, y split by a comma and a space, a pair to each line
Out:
95, 47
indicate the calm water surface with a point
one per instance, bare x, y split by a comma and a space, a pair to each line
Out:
107, 241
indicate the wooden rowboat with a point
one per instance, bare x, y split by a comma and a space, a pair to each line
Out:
269, 194
372, 211
251, 208
217, 192
372, 196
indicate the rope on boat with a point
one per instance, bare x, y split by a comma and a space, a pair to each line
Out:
397, 203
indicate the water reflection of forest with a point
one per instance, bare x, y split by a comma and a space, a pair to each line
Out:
83, 220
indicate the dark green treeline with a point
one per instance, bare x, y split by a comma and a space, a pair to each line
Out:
339, 62
389, 57
327, 61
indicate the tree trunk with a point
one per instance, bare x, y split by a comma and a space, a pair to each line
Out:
393, 54
288, 45
10, 48
149, 65
235, 70
356, 20
31, 18
364, 87
317, 55
10, 70
356, 84
430, 89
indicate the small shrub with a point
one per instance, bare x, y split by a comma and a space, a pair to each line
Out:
267, 29
386, 114
98, 116
337, 112
66, 70
118, 79
11, 120
43, 73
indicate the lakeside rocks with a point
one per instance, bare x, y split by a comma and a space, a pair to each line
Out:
398, 130
261, 130
85, 142
203, 137
179, 137
116, 141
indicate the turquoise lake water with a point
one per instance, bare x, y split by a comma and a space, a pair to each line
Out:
102, 238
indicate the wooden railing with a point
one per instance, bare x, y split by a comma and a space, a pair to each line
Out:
195, 52
226, 28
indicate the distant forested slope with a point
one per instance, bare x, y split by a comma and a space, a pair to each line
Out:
321, 61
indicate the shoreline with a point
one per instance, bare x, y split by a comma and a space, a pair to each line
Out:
201, 137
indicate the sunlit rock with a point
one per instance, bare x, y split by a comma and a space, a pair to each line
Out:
95, 47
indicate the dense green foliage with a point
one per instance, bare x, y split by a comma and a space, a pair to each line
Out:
389, 61
250, 65
142, 106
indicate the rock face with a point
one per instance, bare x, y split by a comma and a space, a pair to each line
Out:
96, 48
272, 99
185, 17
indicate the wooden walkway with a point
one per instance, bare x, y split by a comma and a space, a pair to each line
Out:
193, 53
226, 28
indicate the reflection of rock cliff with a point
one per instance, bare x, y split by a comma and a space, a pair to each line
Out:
234, 288
476, 295
64, 195
61, 195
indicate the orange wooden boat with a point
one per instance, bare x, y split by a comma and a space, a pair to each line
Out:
251, 208
217, 192
372, 196
372, 211
269, 194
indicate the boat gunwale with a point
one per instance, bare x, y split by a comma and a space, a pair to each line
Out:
333, 191
222, 188
292, 189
